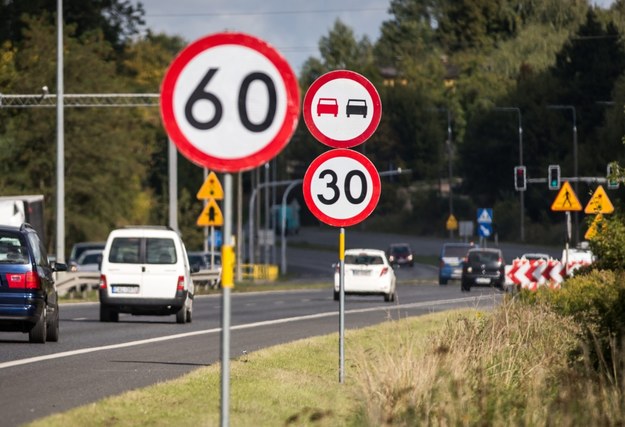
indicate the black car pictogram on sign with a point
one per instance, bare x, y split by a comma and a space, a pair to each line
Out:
356, 106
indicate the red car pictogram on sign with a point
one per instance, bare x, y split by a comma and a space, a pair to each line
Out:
327, 106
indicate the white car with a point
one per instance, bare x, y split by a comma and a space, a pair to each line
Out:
145, 271
368, 272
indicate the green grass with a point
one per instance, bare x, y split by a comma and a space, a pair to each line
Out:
293, 384
516, 365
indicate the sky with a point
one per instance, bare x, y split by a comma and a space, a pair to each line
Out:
293, 27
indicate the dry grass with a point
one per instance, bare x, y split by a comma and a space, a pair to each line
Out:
517, 366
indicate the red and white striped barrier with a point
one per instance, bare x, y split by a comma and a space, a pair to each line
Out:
531, 274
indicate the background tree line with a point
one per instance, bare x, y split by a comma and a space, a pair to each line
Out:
462, 57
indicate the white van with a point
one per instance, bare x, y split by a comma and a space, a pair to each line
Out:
145, 271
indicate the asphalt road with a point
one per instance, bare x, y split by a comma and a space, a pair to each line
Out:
94, 360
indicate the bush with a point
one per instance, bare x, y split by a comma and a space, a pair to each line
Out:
596, 301
609, 244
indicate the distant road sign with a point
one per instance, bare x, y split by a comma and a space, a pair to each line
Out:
230, 102
211, 215
342, 109
485, 215
566, 200
341, 187
599, 203
211, 189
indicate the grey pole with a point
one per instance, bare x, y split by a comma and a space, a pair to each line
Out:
575, 161
225, 319
173, 184
239, 272
60, 140
449, 154
204, 203
283, 223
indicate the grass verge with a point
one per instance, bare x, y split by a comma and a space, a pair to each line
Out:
293, 384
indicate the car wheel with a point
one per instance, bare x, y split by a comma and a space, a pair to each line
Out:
336, 296
466, 287
181, 315
442, 281
107, 314
389, 297
37, 333
189, 316
52, 333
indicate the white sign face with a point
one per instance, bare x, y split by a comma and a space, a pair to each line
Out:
341, 187
230, 102
342, 109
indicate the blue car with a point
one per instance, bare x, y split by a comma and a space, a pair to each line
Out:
28, 299
451, 260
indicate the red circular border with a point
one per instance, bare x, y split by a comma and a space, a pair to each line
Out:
342, 74
274, 146
364, 161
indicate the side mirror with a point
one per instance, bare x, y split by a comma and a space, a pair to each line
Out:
58, 266
195, 268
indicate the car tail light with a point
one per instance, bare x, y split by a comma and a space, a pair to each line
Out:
29, 280
103, 284
383, 271
180, 286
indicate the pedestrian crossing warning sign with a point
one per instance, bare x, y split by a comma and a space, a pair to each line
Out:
599, 203
211, 215
566, 200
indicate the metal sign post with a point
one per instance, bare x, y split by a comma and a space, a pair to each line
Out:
342, 306
227, 283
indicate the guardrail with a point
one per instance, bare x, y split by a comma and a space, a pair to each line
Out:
77, 282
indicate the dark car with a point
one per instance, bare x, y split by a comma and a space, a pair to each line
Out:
400, 254
484, 266
28, 299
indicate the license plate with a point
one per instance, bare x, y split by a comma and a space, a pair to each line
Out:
361, 272
482, 280
125, 289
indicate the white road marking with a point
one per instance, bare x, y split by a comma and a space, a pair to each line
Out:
60, 355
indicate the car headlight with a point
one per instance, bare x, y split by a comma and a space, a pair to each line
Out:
469, 269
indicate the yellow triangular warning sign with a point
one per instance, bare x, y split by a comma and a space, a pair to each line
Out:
566, 200
211, 215
595, 227
599, 203
211, 189
452, 222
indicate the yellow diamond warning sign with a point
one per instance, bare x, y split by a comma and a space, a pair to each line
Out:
211, 215
566, 200
211, 189
599, 203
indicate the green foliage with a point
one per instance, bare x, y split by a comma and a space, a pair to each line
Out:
609, 243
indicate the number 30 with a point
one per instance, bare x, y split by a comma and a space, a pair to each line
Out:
332, 184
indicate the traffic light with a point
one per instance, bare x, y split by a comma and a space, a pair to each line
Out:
611, 177
520, 181
553, 177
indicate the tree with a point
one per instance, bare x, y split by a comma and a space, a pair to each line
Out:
105, 150
118, 20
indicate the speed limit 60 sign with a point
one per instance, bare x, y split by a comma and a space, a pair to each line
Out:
341, 187
230, 102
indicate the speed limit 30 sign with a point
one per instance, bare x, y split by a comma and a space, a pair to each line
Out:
230, 102
341, 187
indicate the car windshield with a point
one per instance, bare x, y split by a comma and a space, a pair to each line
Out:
455, 251
89, 259
400, 250
483, 257
363, 259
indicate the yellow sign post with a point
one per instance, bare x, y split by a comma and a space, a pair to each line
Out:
566, 200
599, 203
